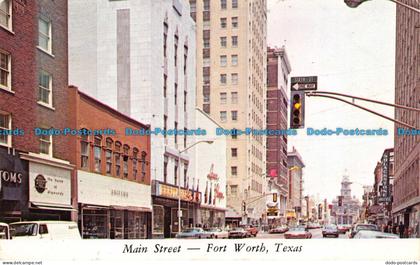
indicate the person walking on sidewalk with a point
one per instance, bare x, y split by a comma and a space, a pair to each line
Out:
401, 229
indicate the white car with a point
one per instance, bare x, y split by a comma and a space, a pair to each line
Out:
217, 233
44, 230
4, 231
367, 234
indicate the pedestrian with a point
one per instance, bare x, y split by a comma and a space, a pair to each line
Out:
394, 229
401, 229
386, 229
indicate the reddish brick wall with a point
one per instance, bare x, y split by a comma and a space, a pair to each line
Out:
92, 114
21, 46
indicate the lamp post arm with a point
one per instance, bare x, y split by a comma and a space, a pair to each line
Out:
405, 5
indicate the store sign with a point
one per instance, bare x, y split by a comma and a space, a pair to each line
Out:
171, 192
385, 195
102, 190
11, 177
49, 184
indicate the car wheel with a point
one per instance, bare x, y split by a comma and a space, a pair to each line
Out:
215, 237
199, 237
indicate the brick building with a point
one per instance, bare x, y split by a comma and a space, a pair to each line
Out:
406, 197
33, 94
113, 170
278, 69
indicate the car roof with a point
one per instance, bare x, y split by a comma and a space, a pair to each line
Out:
377, 233
4, 224
44, 222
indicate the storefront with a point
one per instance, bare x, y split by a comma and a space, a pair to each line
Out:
211, 216
13, 186
50, 196
165, 208
113, 208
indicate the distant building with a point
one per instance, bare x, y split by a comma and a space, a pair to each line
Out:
278, 69
345, 207
295, 172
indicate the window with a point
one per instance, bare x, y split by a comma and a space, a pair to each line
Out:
234, 97
234, 190
125, 160
206, 98
117, 156
234, 79
185, 101
6, 13
234, 59
43, 229
234, 115
223, 98
97, 149
143, 165
165, 124
5, 69
234, 136
176, 50
223, 116
234, 152
165, 38
234, 3
234, 22
135, 158
176, 173
223, 42
45, 146
84, 151
175, 134
206, 5
44, 34
44, 88
206, 62
234, 41
165, 169
108, 155
185, 175
5, 124
234, 171
193, 6
223, 4
176, 93
223, 60
223, 79
206, 43
223, 22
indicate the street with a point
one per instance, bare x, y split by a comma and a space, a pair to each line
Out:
316, 233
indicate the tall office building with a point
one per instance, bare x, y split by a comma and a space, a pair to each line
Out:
139, 58
406, 195
231, 88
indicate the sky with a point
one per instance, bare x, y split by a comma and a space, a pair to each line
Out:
352, 51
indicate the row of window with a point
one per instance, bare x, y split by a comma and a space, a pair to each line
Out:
233, 79
223, 115
223, 98
234, 60
234, 22
116, 157
223, 42
206, 5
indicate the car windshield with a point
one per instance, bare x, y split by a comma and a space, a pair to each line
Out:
237, 229
330, 227
366, 227
190, 230
23, 229
298, 229
212, 230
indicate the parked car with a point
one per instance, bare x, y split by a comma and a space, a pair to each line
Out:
252, 230
360, 227
239, 232
298, 232
193, 233
4, 231
313, 226
279, 229
342, 229
44, 230
217, 233
330, 230
368, 234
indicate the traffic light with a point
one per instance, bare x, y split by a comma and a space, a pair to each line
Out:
243, 206
274, 197
297, 112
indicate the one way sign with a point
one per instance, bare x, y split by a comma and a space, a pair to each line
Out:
304, 83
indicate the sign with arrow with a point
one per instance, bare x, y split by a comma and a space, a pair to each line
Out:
304, 83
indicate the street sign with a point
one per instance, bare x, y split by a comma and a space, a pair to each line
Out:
384, 199
304, 83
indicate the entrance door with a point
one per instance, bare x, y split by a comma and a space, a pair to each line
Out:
117, 225
167, 223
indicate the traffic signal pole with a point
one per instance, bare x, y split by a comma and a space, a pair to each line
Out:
326, 94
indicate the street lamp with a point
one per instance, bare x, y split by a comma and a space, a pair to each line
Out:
179, 178
356, 3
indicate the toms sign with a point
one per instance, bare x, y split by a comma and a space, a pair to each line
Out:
10, 176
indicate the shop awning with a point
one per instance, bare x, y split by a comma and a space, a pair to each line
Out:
53, 207
130, 208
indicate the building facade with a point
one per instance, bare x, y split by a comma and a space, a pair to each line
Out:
295, 173
231, 88
36, 175
278, 69
345, 209
406, 197
142, 60
113, 170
